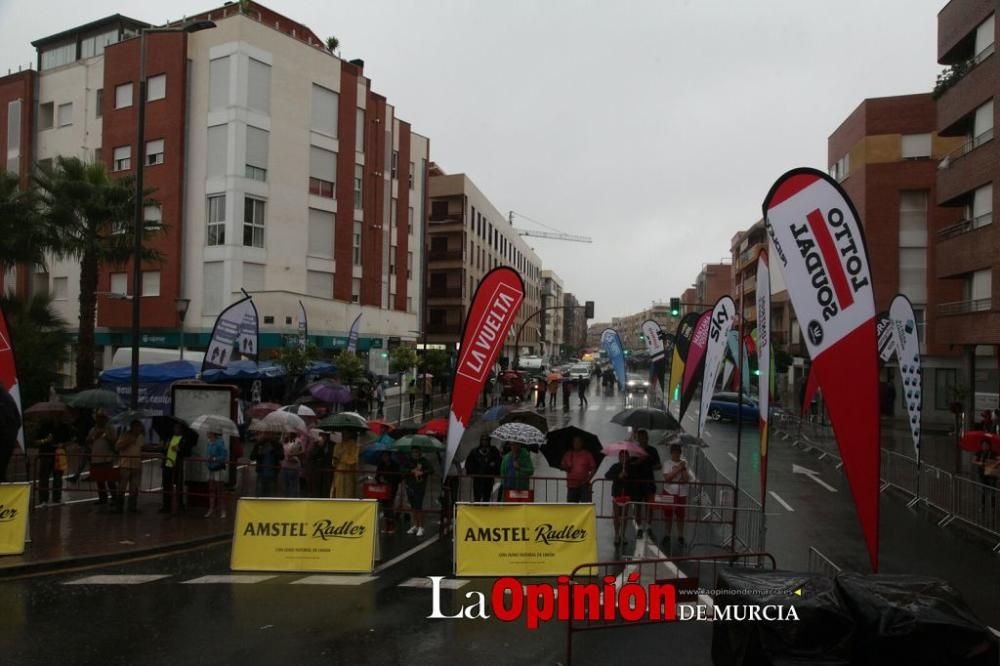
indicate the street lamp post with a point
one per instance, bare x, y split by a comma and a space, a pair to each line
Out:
140, 149
182, 308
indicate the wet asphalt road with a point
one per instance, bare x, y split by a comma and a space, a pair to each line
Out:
175, 618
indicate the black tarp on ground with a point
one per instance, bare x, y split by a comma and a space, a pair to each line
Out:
824, 633
914, 620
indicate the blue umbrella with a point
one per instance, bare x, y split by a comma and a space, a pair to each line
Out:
495, 413
371, 454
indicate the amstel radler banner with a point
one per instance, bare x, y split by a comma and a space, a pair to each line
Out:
523, 539
14, 499
331, 535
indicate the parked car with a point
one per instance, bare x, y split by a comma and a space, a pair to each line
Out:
723, 406
531, 362
636, 384
580, 371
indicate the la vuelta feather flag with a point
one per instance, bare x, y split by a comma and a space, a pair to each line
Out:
493, 310
682, 340
821, 247
721, 321
694, 364
763, 361
8, 370
904, 332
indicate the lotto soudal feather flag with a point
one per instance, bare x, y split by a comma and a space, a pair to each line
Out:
611, 342
694, 364
494, 308
352, 337
907, 344
820, 246
720, 321
682, 340
235, 334
303, 326
764, 350
8, 374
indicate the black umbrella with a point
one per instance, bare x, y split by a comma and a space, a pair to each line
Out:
647, 418
163, 426
527, 416
558, 442
403, 431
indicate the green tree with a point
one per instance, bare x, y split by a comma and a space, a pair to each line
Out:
294, 359
402, 359
40, 342
350, 368
90, 216
332, 43
435, 362
25, 239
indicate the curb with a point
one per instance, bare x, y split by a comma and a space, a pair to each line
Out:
60, 564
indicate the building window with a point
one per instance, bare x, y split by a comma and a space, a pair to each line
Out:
153, 216
409, 265
359, 130
985, 37
979, 287
321, 233
319, 284
395, 164
46, 115
65, 114
982, 124
409, 303
393, 213
156, 87
122, 158
256, 162
945, 381
412, 167
392, 260
99, 103
59, 56
253, 276
94, 46
151, 283
322, 172
218, 81
14, 137
216, 220
916, 146
253, 222
980, 211
119, 284
217, 151
123, 96
154, 152
913, 244
356, 244
60, 288
355, 290
359, 175
325, 106
212, 287
409, 220
259, 86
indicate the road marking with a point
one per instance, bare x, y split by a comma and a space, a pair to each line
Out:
228, 578
334, 580
399, 558
117, 579
995, 632
446, 583
732, 455
707, 433
780, 501
798, 469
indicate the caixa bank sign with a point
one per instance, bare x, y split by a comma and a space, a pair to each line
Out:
609, 601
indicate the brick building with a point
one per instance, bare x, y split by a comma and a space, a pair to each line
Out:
885, 155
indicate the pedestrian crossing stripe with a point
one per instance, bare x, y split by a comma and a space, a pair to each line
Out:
252, 579
117, 579
446, 584
228, 578
333, 580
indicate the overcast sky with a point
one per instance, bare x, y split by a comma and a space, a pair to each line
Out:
655, 127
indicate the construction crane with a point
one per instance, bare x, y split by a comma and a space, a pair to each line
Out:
555, 234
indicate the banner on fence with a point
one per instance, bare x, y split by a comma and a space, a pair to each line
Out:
14, 498
523, 539
329, 535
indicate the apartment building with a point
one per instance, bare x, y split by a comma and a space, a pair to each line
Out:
968, 250
552, 319
277, 169
629, 327
467, 237
885, 155
712, 283
575, 324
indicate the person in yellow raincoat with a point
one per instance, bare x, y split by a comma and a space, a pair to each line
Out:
345, 464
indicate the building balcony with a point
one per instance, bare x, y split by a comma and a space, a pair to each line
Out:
957, 22
965, 247
448, 218
964, 307
963, 88
445, 255
971, 165
972, 327
444, 328
444, 292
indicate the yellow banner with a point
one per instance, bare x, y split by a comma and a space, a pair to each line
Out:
14, 498
524, 539
304, 535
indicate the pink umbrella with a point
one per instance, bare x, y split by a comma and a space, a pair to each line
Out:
262, 409
629, 447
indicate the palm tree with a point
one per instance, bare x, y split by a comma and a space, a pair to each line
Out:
24, 240
91, 217
39, 340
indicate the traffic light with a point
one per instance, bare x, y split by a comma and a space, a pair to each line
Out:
642, 337
588, 310
384, 354
675, 306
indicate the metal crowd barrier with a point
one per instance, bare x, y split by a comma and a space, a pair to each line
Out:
821, 564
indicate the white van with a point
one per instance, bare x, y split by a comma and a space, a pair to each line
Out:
123, 356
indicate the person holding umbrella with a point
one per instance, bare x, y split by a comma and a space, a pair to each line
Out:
345, 465
418, 470
618, 474
540, 386
129, 448
100, 442
387, 472
642, 471
178, 448
580, 467
267, 456
516, 468
218, 456
483, 463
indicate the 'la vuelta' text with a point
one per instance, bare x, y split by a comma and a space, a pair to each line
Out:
541, 602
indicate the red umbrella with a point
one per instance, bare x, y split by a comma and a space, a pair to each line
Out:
973, 438
379, 427
47, 409
262, 409
628, 446
436, 427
